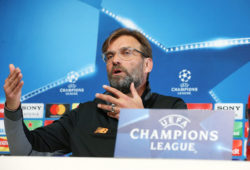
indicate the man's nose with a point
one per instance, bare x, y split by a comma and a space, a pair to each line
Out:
116, 59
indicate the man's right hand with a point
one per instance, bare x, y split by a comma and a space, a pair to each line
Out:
13, 88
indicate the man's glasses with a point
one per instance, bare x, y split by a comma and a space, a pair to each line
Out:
125, 53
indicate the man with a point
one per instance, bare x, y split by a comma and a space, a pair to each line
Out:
90, 130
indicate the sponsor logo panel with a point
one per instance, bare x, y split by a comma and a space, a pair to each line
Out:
4, 147
2, 129
246, 129
236, 107
32, 110
33, 124
56, 110
247, 111
206, 106
237, 147
48, 122
238, 128
75, 105
245, 148
1, 110
248, 151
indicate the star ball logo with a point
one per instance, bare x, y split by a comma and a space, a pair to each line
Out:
174, 136
184, 88
72, 89
56, 110
72, 77
185, 75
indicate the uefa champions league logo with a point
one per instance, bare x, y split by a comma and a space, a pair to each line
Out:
185, 75
72, 77
174, 120
184, 89
72, 89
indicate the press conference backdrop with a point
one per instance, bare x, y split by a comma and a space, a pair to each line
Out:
201, 53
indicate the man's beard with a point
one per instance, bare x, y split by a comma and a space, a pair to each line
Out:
123, 83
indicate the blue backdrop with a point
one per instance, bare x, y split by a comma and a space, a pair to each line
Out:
201, 49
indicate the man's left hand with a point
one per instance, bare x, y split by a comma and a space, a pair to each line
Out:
120, 100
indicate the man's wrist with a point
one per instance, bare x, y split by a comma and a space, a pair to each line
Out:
12, 110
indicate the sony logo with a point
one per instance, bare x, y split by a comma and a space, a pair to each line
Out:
233, 108
32, 107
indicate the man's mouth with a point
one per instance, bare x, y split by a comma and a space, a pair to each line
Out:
117, 72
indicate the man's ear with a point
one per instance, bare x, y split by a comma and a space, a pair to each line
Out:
148, 65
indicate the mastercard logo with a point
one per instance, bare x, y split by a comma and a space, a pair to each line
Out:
57, 109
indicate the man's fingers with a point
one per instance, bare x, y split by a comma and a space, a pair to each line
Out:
109, 108
105, 107
107, 98
113, 115
13, 71
14, 83
116, 112
13, 75
12, 68
114, 91
18, 88
133, 90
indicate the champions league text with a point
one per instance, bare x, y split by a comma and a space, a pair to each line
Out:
167, 139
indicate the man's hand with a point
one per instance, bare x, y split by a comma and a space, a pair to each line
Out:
119, 101
13, 87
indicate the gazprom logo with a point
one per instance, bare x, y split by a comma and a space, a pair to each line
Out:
174, 120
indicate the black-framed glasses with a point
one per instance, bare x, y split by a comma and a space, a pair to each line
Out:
125, 53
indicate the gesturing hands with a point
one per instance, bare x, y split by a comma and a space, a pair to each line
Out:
13, 87
119, 101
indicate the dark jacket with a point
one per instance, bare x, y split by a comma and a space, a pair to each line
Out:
76, 131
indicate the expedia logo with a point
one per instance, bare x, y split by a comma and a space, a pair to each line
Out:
32, 110
236, 107
174, 120
56, 110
